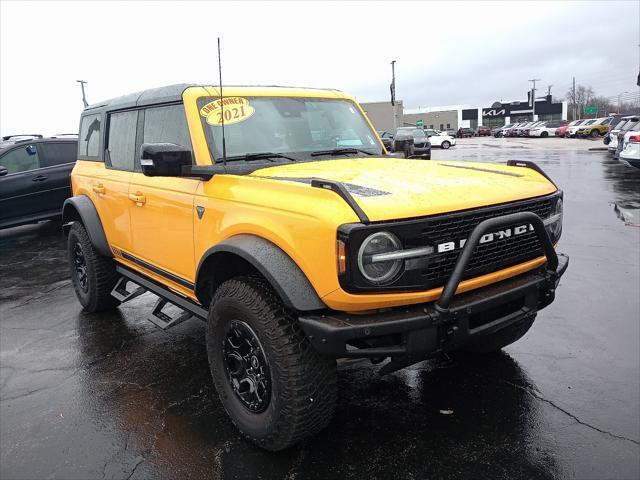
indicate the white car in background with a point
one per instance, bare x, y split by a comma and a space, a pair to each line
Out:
440, 139
547, 129
573, 129
626, 123
630, 153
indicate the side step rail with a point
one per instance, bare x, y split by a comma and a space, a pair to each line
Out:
163, 320
121, 293
158, 316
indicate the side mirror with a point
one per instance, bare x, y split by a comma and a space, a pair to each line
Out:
3, 171
164, 160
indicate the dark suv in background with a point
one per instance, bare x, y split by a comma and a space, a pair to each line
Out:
34, 177
413, 142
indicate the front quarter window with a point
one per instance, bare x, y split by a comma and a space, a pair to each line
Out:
284, 125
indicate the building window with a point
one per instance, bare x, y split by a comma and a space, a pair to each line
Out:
442, 126
448, 126
431, 126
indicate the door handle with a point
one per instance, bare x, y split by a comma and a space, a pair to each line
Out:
39, 178
99, 188
138, 198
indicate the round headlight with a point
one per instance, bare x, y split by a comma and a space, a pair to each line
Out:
374, 269
555, 227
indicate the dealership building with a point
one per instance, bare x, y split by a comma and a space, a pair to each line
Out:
465, 116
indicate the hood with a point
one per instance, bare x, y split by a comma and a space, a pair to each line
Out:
394, 188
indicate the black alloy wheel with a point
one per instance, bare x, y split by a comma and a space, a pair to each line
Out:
93, 275
80, 263
246, 366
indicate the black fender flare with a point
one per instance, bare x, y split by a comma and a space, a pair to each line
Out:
284, 275
81, 208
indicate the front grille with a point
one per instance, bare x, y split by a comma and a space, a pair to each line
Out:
487, 257
434, 270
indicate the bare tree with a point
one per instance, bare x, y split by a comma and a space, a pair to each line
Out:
583, 97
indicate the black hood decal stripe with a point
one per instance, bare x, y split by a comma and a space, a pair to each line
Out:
480, 169
358, 190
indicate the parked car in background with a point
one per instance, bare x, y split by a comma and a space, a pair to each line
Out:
34, 177
412, 141
440, 139
484, 131
595, 129
464, 132
547, 128
572, 131
387, 139
451, 132
525, 131
630, 126
519, 131
562, 131
515, 130
630, 152
615, 131
499, 131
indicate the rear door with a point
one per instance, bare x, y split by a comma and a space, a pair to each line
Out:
108, 182
57, 160
20, 188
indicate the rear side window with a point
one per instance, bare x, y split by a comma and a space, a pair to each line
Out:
166, 124
121, 144
58, 153
21, 159
89, 139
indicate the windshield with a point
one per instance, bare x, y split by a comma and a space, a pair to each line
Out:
285, 125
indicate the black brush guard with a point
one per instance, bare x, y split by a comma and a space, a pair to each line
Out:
408, 334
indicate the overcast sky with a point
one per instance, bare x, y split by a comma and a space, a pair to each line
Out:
447, 53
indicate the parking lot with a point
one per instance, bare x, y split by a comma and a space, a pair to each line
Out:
112, 396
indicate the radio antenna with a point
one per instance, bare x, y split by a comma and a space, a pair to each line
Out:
224, 143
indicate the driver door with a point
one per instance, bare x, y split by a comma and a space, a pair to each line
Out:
161, 208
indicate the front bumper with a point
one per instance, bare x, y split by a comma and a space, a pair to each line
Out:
408, 334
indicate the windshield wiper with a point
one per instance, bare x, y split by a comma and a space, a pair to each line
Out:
260, 156
339, 151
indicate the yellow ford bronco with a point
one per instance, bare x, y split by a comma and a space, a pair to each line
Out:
276, 215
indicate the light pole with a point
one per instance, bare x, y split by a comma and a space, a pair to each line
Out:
393, 95
533, 96
84, 99
619, 95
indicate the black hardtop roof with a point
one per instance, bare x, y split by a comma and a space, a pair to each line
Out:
167, 94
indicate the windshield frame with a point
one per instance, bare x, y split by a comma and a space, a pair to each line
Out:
377, 149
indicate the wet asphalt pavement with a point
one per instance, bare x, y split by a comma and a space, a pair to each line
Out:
112, 396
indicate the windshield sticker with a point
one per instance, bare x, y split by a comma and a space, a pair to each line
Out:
234, 109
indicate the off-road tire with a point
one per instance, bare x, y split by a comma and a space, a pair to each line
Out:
101, 275
497, 341
445, 145
303, 382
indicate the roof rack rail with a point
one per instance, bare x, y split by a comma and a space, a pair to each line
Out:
33, 135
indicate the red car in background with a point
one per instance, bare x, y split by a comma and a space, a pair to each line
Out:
484, 131
562, 131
